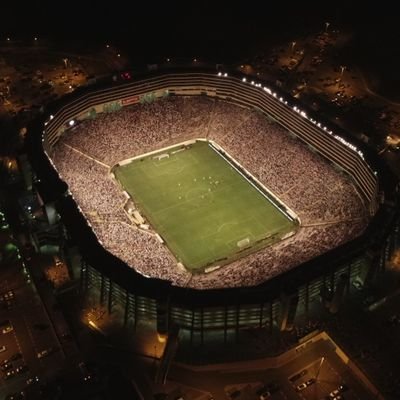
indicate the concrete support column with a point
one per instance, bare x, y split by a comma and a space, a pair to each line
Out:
339, 294
127, 303
162, 316
109, 307
102, 289
289, 303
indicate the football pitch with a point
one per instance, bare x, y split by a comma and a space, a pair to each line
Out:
204, 209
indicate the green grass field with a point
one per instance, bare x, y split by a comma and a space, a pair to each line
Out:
201, 206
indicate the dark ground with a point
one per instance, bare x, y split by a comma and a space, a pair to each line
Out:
221, 31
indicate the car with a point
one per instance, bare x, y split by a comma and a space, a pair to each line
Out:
343, 387
300, 387
305, 384
9, 295
4, 362
32, 380
334, 393
298, 376
9, 374
266, 395
86, 375
21, 369
7, 329
2, 349
43, 353
310, 381
46, 352
6, 367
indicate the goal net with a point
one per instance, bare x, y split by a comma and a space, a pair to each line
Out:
161, 156
243, 243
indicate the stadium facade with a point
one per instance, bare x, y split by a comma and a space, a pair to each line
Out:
327, 278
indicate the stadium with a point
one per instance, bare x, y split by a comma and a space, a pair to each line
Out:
209, 200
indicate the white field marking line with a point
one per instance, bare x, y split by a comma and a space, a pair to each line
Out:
229, 223
251, 183
225, 224
332, 222
87, 156
146, 155
163, 162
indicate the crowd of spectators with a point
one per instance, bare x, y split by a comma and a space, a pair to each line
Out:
329, 207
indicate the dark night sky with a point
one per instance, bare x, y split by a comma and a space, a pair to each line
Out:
203, 28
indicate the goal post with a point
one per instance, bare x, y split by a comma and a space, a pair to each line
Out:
161, 156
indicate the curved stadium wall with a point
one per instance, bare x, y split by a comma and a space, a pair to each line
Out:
199, 310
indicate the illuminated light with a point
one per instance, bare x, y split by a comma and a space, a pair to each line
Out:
194, 59
242, 66
118, 55
70, 87
303, 114
51, 116
268, 90
219, 73
244, 79
92, 324
168, 60
36, 39
108, 46
161, 338
274, 94
71, 123
225, 74
8, 39
252, 82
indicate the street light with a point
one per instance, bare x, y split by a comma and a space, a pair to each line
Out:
342, 68
327, 26
293, 44
65, 60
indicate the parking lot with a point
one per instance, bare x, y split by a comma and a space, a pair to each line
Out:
314, 370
